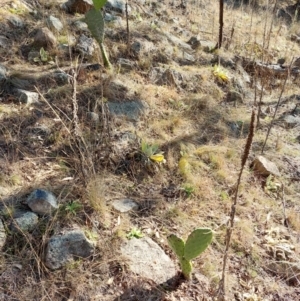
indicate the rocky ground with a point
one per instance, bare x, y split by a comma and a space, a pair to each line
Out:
98, 166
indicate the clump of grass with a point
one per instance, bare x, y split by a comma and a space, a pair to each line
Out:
96, 192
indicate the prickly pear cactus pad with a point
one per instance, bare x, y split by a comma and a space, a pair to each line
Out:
197, 242
95, 23
176, 244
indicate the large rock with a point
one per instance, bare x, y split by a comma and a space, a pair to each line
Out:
66, 247
132, 110
24, 221
78, 6
27, 97
147, 259
44, 38
42, 202
2, 235
265, 167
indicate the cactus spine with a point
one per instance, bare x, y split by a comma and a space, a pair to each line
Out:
196, 243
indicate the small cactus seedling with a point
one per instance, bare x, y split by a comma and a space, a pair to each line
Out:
196, 243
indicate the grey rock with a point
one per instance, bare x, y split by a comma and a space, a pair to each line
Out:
167, 77
16, 21
265, 167
142, 46
130, 109
156, 266
188, 58
178, 42
291, 121
2, 235
4, 42
61, 78
93, 117
78, 6
117, 6
111, 18
234, 96
207, 46
85, 45
124, 205
44, 38
27, 97
82, 26
194, 42
55, 23
24, 221
42, 202
125, 64
2, 75
32, 55
66, 247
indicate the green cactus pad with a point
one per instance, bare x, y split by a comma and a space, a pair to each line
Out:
99, 3
177, 245
95, 23
197, 242
186, 268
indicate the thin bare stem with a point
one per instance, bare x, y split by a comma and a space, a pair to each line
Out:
229, 230
277, 106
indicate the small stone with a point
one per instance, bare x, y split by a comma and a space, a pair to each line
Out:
27, 97
2, 75
78, 6
93, 117
4, 42
188, 57
82, 26
265, 167
158, 266
16, 21
2, 235
125, 205
66, 247
194, 42
208, 46
42, 202
55, 23
117, 6
61, 78
44, 38
125, 64
85, 45
24, 221
142, 46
